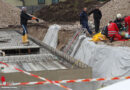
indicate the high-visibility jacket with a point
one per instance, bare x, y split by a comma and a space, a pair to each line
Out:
113, 31
127, 23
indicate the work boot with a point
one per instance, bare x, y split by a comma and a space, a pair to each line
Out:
84, 30
27, 43
26, 38
111, 39
89, 35
23, 39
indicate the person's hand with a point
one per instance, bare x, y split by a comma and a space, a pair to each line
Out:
37, 20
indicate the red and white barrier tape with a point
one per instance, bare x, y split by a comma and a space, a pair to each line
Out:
36, 76
68, 81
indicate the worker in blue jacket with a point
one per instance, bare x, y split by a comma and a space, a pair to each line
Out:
84, 20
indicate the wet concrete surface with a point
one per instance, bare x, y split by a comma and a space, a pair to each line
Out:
68, 74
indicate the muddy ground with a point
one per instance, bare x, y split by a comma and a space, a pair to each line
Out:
67, 11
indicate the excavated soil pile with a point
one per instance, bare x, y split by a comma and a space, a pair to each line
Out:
9, 15
114, 7
67, 11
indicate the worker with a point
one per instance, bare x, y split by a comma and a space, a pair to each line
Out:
24, 19
127, 23
113, 32
97, 15
118, 21
84, 20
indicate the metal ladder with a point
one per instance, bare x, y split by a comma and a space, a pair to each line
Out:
72, 42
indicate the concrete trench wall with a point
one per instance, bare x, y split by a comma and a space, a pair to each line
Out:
106, 61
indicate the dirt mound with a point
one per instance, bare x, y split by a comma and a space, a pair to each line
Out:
9, 15
114, 7
67, 11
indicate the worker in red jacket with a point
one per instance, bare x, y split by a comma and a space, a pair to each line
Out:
127, 23
113, 32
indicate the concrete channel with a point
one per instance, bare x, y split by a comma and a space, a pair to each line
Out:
40, 59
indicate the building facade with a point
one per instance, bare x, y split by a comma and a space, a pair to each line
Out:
40, 2
14, 2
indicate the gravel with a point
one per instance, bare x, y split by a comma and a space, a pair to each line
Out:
9, 15
112, 8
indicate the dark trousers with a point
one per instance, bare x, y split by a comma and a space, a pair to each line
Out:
25, 31
97, 25
85, 25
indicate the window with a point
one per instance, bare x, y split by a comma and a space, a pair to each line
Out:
55, 1
41, 1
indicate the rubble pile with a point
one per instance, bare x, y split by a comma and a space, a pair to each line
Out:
9, 15
114, 7
67, 11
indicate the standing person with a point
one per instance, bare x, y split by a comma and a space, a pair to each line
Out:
127, 23
24, 19
97, 15
84, 20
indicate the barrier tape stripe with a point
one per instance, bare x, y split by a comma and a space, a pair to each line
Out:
68, 81
36, 76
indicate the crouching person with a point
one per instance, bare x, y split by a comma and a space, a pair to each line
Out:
24, 19
113, 32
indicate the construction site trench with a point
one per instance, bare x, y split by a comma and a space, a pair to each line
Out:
37, 58
59, 49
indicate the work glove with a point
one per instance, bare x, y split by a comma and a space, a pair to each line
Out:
37, 20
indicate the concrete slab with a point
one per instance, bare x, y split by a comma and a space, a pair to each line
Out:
69, 74
34, 62
66, 74
13, 41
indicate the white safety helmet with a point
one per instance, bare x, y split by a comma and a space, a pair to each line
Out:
24, 9
119, 15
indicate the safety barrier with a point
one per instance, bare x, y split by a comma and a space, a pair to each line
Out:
67, 81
